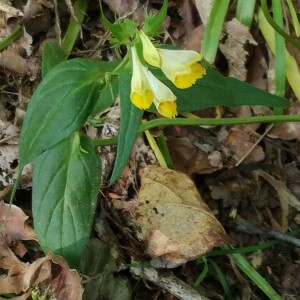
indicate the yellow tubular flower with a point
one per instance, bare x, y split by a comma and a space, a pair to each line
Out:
164, 99
181, 67
141, 93
150, 53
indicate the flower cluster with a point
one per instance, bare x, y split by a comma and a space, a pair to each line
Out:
179, 66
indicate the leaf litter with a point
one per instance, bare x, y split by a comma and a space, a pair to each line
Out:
268, 197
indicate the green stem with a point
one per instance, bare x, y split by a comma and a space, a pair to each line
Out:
277, 28
205, 121
69, 39
11, 200
14, 35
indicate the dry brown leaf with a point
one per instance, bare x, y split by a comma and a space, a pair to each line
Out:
288, 131
50, 271
239, 142
122, 8
12, 282
9, 10
286, 198
233, 48
15, 224
173, 219
190, 159
204, 8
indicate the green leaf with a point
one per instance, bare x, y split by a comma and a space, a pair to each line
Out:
52, 56
66, 180
214, 89
60, 105
152, 23
130, 119
100, 267
123, 31
107, 96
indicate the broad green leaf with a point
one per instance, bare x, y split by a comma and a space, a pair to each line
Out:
52, 56
60, 105
66, 180
214, 89
152, 23
107, 96
99, 265
130, 119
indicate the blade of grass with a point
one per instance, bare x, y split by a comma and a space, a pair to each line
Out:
204, 271
213, 30
254, 248
69, 39
260, 281
291, 69
155, 148
162, 144
245, 11
222, 279
265, 11
14, 35
279, 54
294, 17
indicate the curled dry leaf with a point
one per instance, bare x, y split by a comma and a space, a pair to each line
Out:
15, 225
240, 141
49, 271
233, 48
173, 219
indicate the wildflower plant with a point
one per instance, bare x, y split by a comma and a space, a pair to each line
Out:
67, 169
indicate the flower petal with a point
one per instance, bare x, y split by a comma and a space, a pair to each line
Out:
182, 57
166, 108
180, 66
164, 98
150, 53
141, 93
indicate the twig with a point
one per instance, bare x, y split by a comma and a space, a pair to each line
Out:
249, 228
168, 281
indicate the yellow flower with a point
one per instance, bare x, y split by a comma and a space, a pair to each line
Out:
181, 67
150, 53
164, 98
141, 93
146, 88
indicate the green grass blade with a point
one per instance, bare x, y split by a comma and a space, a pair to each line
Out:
213, 30
204, 271
222, 279
260, 281
245, 11
14, 35
69, 39
294, 17
162, 144
279, 53
292, 69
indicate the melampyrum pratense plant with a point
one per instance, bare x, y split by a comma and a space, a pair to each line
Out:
159, 78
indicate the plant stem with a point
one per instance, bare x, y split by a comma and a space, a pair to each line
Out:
69, 39
14, 35
205, 121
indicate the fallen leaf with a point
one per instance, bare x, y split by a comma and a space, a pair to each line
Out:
286, 197
173, 219
233, 48
122, 8
288, 130
50, 271
12, 281
239, 142
14, 220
